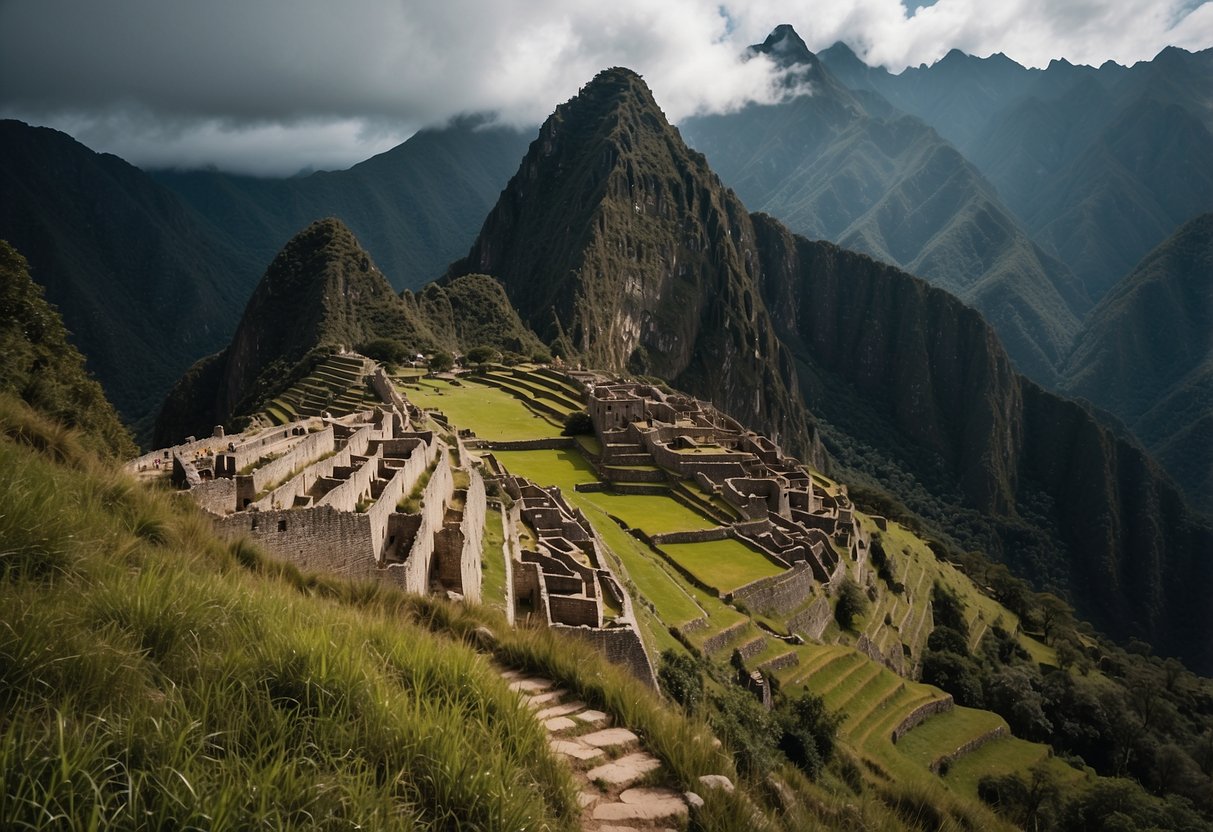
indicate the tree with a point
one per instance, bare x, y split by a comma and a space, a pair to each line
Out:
441, 361
681, 680
807, 731
1054, 615
481, 354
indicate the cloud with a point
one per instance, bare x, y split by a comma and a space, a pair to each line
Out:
278, 84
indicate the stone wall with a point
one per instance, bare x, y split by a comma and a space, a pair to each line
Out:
472, 527
621, 645
574, 611
779, 593
251, 450
550, 444
303, 452
401, 483
355, 488
318, 539
297, 486
922, 712
942, 761
698, 536
437, 494
383, 387
812, 622
216, 496
715, 642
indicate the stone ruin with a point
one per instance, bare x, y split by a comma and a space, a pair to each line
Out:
360, 496
563, 580
785, 514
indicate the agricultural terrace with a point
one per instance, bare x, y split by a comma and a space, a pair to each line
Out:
725, 564
492, 413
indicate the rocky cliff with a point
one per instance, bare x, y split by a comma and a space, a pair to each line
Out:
618, 245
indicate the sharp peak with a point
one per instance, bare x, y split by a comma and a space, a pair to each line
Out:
785, 46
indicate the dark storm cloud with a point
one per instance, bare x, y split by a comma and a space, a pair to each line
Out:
273, 85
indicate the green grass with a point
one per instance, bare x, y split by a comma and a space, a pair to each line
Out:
723, 564
492, 413
1008, 755
151, 682
655, 514
492, 562
945, 732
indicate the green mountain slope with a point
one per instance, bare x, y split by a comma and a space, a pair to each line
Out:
144, 284
40, 366
1146, 355
320, 293
415, 207
614, 237
834, 166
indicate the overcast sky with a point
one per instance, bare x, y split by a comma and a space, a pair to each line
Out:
273, 86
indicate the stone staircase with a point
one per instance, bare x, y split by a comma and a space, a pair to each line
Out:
618, 780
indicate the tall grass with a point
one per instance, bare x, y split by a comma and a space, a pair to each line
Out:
147, 680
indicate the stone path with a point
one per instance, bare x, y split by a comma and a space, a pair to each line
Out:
612, 770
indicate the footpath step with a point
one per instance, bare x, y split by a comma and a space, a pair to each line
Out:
618, 781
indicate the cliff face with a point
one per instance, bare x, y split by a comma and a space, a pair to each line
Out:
1118, 532
616, 243
1146, 356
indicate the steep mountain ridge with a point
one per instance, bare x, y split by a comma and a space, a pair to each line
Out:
1146, 355
938, 383
321, 292
613, 238
145, 285
833, 166
617, 243
39, 365
1100, 164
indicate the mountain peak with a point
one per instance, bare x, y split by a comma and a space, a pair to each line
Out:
785, 47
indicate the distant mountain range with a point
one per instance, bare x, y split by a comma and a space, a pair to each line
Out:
1100, 164
1146, 355
849, 167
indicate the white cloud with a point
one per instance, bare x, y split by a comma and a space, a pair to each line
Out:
278, 84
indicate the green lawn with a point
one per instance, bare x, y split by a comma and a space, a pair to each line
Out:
1003, 756
493, 414
655, 514
725, 564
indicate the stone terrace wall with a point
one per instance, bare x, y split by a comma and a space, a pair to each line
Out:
401, 483
346, 495
253, 449
284, 495
550, 444
621, 645
472, 527
779, 593
216, 496
916, 716
435, 497
384, 388
944, 760
812, 621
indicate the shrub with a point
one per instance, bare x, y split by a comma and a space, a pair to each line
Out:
578, 423
681, 680
850, 603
